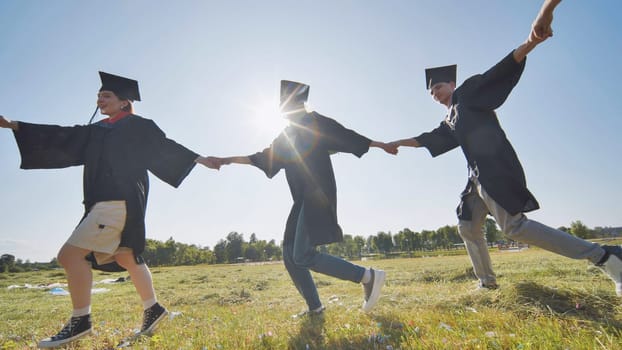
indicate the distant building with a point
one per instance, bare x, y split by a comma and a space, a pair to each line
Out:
608, 231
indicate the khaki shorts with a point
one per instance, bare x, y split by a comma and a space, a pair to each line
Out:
100, 231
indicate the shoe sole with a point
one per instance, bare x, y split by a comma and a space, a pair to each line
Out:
614, 268
53, 344
155, 323
379, 277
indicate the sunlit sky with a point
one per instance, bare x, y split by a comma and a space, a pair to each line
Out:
209, 75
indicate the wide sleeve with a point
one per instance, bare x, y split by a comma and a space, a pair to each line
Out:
168, 160
438, 141
490, 90
272, 159
51, 146
338, 138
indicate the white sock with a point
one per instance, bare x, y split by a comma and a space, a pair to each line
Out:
366, 276
81, 312
318, 309
149, 303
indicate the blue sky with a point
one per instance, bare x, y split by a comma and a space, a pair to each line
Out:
209, 74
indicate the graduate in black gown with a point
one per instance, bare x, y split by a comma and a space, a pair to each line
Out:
303, 150
116, 152
497, 183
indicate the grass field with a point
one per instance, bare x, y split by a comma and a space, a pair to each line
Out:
545, 302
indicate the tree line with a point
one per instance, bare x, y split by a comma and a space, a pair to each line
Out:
234, 248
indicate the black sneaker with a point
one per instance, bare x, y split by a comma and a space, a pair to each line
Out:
74, 329
372, 288
151, 317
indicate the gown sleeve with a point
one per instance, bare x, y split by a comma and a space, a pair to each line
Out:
51, 146
272, 159
489, 90
340, 139
438, 141
168, 160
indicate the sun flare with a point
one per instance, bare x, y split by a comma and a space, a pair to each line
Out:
265, 116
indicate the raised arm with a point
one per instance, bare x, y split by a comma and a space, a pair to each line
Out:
540, 30
8, 124
541, 27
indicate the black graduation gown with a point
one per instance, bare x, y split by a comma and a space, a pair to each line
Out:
116, 158
472, 124
303, 149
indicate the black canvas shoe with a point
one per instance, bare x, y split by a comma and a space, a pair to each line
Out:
611, 264
372, 288
74, 329
151, 317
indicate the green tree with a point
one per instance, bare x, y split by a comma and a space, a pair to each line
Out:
491, 230
220, 252
578, 229
7, 262
382, 242
235, 242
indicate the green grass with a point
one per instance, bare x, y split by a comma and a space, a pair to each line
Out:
545, 302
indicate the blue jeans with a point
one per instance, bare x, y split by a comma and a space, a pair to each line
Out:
300, 256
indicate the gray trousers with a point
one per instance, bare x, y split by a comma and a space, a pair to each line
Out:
516, 227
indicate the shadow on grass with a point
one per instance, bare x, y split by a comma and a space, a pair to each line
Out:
310, 334
532, 298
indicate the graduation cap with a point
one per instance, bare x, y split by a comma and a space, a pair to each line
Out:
293, 92
443, 74
124, 88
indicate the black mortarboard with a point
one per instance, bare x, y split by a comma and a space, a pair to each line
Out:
293, 92
124, 88
443, 74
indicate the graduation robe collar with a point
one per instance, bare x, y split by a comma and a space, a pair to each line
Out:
115, 121
118, 116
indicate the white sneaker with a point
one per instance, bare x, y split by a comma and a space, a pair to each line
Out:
613, 266
372, 289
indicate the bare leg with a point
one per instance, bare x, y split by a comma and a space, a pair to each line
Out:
79, 274
140, 275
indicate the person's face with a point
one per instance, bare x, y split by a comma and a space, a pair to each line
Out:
109, 104
441, 92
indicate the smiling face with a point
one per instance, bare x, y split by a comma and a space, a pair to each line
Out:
109, 104
441, 92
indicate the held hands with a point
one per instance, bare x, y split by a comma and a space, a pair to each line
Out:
541, 27
213, 162
390, 148
210, 162
387, 147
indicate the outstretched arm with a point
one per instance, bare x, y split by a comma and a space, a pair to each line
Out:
387, 147
217, 162
8, 124
540, 30
411, 142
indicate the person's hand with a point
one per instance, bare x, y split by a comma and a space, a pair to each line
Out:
5, 123
541, 27
389, 148
210, 162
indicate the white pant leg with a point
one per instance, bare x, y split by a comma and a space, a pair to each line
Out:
519, 228
472, 233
